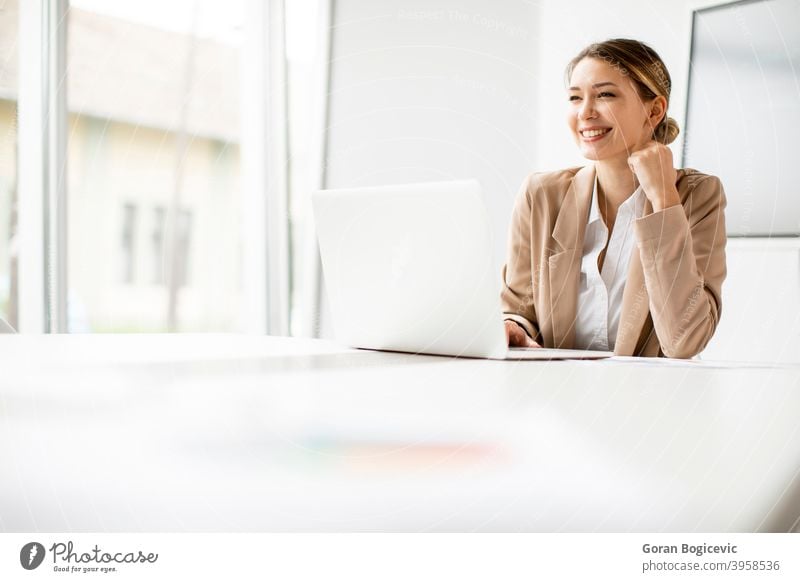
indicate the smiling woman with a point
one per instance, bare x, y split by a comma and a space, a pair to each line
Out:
626, 253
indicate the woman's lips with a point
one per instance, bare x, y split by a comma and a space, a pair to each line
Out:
594, 134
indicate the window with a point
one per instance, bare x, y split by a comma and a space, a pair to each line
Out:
157, 245
144, 204
127, 259
9, 25
153, 128
183, 239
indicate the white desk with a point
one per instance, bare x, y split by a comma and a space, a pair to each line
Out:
237, 433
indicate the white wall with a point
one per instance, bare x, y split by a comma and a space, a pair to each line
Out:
435, 90
760, 303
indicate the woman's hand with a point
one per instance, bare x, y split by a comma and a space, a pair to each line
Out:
516, 336
653, 168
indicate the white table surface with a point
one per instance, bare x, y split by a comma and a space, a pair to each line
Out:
250, 433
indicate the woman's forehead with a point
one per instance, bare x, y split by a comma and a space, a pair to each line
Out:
591, 71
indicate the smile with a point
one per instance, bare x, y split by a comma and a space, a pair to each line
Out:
594, 133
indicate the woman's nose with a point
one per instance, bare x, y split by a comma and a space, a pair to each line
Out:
587, 110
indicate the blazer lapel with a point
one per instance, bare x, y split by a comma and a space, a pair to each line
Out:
564, 265
635, 304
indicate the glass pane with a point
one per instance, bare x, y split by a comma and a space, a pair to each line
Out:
9, 26
745, 67
154, 165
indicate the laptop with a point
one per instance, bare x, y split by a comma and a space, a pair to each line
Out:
409, 268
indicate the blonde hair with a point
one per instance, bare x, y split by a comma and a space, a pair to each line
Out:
644, 67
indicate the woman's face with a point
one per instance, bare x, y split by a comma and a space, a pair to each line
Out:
606, 115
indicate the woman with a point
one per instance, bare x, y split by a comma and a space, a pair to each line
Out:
625, 254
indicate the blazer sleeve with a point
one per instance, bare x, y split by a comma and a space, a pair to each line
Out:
682, 249
517, 290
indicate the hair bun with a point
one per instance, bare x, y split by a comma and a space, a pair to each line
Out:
667, 131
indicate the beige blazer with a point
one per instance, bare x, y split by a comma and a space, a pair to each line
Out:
672, 299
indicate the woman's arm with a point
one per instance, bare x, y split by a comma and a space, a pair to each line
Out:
517, 291
682, 249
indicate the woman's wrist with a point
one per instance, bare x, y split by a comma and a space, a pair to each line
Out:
666, 199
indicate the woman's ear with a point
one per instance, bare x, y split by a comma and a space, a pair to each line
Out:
658, 110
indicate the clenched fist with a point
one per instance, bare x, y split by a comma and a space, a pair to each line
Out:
653, 168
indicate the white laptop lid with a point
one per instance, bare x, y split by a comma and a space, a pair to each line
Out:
409, 268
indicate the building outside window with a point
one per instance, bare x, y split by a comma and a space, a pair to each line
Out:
154, 98
127, 251
157, 245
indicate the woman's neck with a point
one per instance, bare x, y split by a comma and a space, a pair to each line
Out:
616, 181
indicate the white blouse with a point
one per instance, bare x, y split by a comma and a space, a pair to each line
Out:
600, 292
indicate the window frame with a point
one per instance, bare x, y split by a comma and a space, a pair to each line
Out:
41, 220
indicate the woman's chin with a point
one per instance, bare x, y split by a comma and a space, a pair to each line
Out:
600, 153
591, 153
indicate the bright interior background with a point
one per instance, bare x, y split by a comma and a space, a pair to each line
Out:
417, 91
445, 89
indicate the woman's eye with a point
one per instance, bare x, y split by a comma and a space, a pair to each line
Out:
574, 98
606, 94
